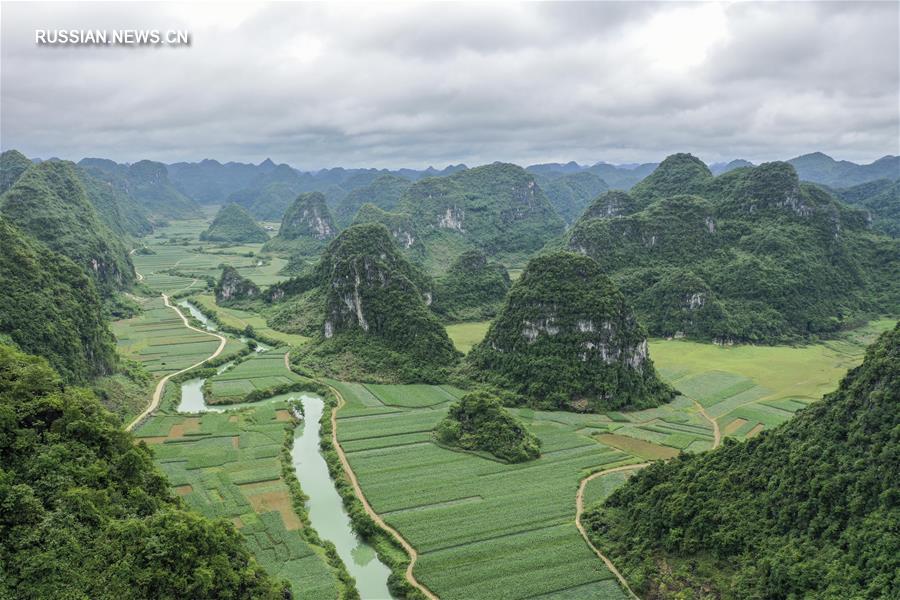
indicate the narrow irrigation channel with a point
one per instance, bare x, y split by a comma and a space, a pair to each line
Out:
326, 510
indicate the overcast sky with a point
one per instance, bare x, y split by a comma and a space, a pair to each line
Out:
413, 85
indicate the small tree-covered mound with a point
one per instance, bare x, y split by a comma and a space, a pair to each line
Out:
479, 422
807, 510
86, 514
50, 307
232, 287
234, 224
472, 289
566, 338
306, 227
375, 322
49, 203
677, 174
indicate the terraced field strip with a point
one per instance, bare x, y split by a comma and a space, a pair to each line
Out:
260, 372
157, 393
228, 465
481, 528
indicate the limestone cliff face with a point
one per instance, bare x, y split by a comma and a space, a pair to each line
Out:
232, 287
308, 217
567, 338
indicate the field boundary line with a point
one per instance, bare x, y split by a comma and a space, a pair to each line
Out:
157, 393
410, 550
579, 509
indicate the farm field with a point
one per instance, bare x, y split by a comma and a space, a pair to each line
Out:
260, 372
226, 465
466, 335
233, 317
483, 529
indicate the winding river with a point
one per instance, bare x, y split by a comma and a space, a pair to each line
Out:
326, 510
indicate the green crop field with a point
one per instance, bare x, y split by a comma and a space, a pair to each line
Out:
226, 465
483, 529
240, 319
466, 335
259, 372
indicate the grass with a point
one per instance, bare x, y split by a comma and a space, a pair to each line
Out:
228, 466
232, 317
259, 372
466, 335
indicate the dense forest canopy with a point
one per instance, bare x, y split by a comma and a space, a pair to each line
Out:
752, 255
384, 192
86, 514
809, 509
473, 288
566, 338
49, 203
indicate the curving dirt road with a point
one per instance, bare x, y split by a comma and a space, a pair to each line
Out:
579, 501
157, 393
413, 555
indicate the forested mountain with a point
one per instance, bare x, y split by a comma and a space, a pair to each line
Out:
147, 182
752, 255
118, 211
497, 208
12, 164
719, 168
86, 514
306, 227
472, 290
233, 224
807, 510
570, 194
232, 287
384, 192
211, 182
49, 307
881, 198
400, 224
567, 339
49, 203
367, 305
616, 177
821, 168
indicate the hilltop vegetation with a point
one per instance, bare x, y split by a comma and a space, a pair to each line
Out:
472, 290
384, 192
401, 226
118, 211
369, 305
881, 198
306, 227
232, 287
49, 203
87, 514
12, 164
49, 307
147, 182
478, 421
233, 224
570, 194
806, 510
567, 339
821, 168
496, 208
752, 255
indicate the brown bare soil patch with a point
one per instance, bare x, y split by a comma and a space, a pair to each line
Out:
189, 425
280, 502
282, 414
233, 419
184, 490
159, 439
237, 522
235, 441
734, 425
636, 447
755, 431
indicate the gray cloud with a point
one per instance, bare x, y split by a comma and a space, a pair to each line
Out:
392, 85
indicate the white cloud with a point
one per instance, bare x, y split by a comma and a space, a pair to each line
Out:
412, 84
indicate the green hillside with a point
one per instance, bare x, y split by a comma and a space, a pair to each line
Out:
12, 164
472, 290
752, 255
86, 514
807, 510
233, 224
369, 306
384, 192
497, 208
49, 203
49, 307
881, 198
567, 339
570, 194
306, 227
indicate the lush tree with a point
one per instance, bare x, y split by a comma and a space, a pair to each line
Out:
478, 421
